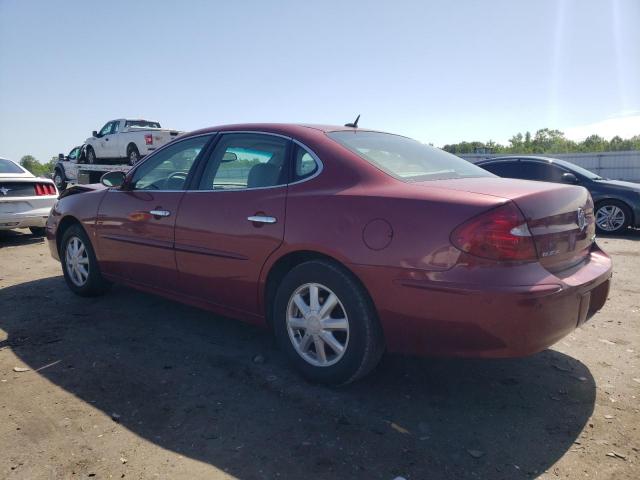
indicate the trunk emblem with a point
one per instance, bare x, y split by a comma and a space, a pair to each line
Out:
5, 191
582, 219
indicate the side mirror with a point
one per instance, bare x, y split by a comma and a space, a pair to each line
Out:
94, 134
61, 157
229, 157
112, 179
569, 178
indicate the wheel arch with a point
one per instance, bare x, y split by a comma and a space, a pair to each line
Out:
63, 226
285, 263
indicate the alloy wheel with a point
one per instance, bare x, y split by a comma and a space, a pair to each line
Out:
77, 261
610, 218
317, 324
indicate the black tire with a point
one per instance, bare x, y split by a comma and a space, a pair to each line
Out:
133, 155
38, 231
91, 156
365, 338
623, 208
60, 180
95, 284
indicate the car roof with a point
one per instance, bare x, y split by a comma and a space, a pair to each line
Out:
279, 128
518, 157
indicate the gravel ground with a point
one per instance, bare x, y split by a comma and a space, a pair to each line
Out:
130, 385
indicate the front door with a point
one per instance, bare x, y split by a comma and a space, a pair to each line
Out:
135, 224
227, 229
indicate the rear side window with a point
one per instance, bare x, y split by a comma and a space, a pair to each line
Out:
246, 160
305, 164
7, 166
404, 158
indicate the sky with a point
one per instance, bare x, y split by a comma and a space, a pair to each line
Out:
438, 71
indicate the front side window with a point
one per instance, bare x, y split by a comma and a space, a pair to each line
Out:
404, 158
506, 169
73, 154
168, 168
246, 160
106, 130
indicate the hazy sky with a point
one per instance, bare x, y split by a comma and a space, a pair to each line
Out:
439, 71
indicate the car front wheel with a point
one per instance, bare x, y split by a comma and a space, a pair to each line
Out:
325, 322
79, 264
612, 217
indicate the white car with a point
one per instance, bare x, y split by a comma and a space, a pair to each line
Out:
25, 201
130, 139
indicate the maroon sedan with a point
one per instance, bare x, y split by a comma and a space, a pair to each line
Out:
345, 241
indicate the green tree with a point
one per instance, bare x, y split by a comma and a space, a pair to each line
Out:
35, 167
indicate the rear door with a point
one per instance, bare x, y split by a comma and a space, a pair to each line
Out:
228, 227
135, 224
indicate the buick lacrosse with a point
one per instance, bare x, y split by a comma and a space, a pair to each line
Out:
345, 242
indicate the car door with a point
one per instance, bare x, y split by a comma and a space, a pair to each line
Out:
135, 223
101, 146
227, 229
111, 141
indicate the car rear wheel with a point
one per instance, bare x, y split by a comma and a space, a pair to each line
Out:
132, 154
326, 323
79, 264
91, 156
38, 231
612, 217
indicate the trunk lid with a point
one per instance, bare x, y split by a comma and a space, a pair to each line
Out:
560, 217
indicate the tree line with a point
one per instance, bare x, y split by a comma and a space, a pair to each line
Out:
38, 169
546, 140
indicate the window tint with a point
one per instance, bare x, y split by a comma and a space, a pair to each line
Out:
503, 169
304, 164
537, 171
7, 166
168, 169
73, 154
246, 160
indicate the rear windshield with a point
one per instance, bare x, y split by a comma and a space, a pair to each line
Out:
7, 166
406, 159
141, 123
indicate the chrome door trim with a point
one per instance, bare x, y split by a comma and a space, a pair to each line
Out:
262, 219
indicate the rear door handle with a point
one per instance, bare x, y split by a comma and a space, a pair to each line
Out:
262, 219
160, 213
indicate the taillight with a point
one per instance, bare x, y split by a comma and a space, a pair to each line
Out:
499, 234
148, 139
45, 189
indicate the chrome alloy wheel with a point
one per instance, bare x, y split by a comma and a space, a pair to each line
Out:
133, 157
317, 324
610, 218
77, 261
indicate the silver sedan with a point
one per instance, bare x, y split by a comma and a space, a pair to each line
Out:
25, 201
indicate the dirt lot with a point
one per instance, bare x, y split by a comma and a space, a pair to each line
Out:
133, 386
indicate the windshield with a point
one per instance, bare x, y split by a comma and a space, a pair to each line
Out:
406, 159
142, 123
7, 166
579, 170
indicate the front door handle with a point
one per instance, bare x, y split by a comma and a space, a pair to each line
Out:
262, 219
160, 213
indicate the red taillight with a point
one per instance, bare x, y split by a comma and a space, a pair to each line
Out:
45, 189
499, 234
148, 139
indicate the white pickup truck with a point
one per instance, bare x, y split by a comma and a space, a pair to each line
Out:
126, 139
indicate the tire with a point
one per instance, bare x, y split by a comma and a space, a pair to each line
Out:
612, 217
38, 231
59, 180
133, 155
91, 285
91, 156
362, 342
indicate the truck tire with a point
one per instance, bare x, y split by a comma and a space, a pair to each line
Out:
91, 156
60, 180
133, 155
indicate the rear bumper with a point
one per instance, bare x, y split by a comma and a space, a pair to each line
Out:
424, 314
29, 218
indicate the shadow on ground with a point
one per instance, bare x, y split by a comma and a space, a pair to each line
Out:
12, 238
185, 380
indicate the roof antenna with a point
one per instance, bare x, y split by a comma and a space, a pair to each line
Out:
354, 124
